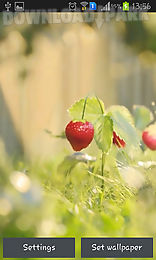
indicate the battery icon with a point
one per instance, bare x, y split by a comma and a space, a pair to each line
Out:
125, 6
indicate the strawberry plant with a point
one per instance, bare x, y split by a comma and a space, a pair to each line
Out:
115, 131
111, 126
113, 135
80, 133
102, 185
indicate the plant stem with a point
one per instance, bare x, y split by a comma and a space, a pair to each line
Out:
102, 168
103, 153
84, 107
102, 111
102, 174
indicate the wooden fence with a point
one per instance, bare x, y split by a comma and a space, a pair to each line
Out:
68, 63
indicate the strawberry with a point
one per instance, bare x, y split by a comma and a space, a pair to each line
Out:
118, 141
149, 136
79, 134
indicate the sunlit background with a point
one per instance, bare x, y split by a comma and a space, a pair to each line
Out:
44, 69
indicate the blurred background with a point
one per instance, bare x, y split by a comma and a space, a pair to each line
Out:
44, 68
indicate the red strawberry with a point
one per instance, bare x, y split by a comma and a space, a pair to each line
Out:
149, 137
118, 141
79, 134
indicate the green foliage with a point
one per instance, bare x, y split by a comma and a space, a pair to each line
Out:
103, 133
75, 205
69, 195
93, 109
143, 38
142, 117
123, 125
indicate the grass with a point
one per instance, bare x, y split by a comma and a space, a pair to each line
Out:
66, 198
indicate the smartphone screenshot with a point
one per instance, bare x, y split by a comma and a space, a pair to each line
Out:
77, 129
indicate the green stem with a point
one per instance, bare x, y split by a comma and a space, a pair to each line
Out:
102, 168
84, 107
102, 111
103, 153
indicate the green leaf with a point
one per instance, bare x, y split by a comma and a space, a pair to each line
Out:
122, 110
142, 116
124, 125
103, 133
92, 112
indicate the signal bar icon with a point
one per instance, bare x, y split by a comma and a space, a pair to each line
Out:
84, 4
107, 7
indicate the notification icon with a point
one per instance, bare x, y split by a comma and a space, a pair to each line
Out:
92, 6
